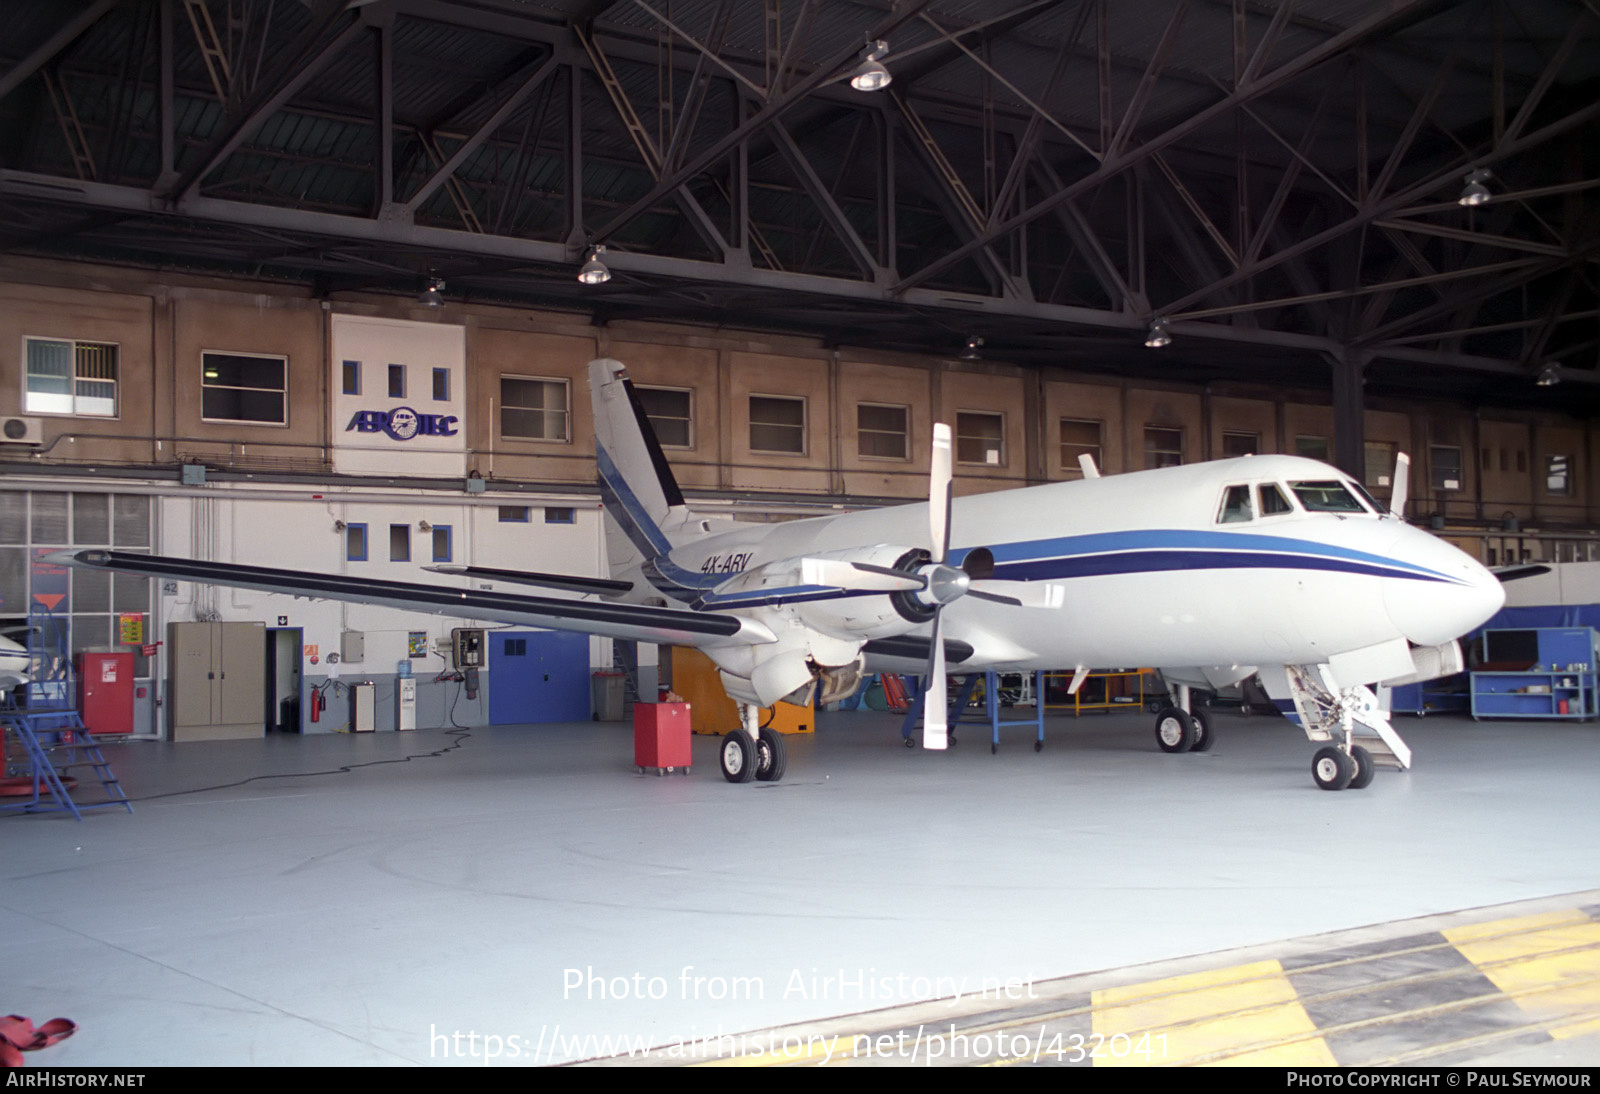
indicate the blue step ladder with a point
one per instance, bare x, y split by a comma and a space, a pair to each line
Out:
58, 747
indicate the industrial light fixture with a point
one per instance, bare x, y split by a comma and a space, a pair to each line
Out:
1158, 335
594, 272
870, 75
1549, 376
338, 526
424, 526
433, 295
1475, 192
970, 353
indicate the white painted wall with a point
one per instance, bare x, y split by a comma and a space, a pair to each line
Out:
421, 348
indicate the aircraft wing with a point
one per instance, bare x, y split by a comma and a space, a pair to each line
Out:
673, 626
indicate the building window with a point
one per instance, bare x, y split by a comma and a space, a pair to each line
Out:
244, 387
1558, 476
441, 543
352, 377
1162, 447
1380, 464
980, 438
441, 385
883, 432
355, 542
513, 514
1240, 444
777, 424
1312, 448
1079, 438
533, 410
671, 414
71, 378
560, 514
399, 543
1446, 462
397, 381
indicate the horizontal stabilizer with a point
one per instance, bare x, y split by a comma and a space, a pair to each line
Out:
566, 582
627, 621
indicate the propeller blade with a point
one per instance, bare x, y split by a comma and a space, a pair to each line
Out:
858, 576
936, 701
939, 494
1021, 594
1401, 485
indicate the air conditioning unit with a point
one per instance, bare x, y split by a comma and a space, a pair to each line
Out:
21, 431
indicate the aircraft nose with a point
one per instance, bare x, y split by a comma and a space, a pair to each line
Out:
1450, 594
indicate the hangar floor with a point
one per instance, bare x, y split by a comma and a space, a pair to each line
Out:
525, 891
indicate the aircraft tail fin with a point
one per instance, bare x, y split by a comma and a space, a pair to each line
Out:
636, 484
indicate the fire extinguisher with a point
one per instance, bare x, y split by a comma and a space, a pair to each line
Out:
316, 704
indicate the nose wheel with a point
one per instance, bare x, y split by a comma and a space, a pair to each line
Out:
1335, 769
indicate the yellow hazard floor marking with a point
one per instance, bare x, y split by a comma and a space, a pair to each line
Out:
1549, 963
1209, 1013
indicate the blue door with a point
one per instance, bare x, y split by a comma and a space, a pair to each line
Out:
538, 676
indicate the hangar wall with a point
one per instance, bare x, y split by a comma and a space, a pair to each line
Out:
375, 412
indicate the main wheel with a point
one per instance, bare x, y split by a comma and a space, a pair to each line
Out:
771, 756
1203, 737
1174, 730
1365, 768
1332, 768
738, 755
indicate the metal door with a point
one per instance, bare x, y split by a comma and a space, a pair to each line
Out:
538, 676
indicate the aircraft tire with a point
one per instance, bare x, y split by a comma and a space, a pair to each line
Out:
772, 757
1332, 768
1203, 737
1365, 768
738, 757
1174, 730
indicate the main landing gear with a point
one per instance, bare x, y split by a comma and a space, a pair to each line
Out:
1180, 730
752, 754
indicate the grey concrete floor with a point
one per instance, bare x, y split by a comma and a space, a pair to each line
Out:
530, 884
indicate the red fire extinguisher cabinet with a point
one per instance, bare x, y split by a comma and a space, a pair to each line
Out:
105, 691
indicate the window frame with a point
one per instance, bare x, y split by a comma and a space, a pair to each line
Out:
448, 532
1072, 466
441, 382
357, 528
1324, 445
282, 423
507, 514
565, 412
655, 420
561, 514
961, 435
904, 434
399, 543
350, 377
1151, 446
74, 412
1567, 489
804, 426
1436, 478
397, 379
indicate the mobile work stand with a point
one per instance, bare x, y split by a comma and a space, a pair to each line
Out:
56, 746
991, 710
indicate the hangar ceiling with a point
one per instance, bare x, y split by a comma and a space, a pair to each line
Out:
1278, 182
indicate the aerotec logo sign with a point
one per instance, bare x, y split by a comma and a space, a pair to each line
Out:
402, 423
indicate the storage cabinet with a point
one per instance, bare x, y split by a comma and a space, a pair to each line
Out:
216, 687
1543, 673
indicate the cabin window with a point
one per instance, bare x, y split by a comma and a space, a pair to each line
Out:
1273, 502
777, 424
671, 414
1235, 506
1327, 496
1078, 438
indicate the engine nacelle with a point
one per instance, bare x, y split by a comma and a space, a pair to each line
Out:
869, 613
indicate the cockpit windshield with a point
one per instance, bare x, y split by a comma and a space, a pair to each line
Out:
1326, 496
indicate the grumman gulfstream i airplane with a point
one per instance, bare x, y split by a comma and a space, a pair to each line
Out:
1212, 572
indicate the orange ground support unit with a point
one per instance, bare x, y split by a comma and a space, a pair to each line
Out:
695, 678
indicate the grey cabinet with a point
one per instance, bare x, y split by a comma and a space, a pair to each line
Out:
217, 679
